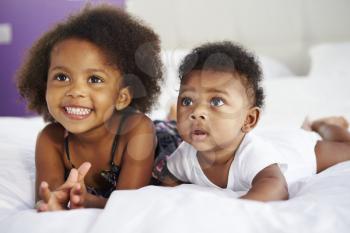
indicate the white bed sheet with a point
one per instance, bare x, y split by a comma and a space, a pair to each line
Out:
319, 204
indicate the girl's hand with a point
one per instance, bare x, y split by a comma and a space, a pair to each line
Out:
58, 199
78, 193
78, 196
51, 200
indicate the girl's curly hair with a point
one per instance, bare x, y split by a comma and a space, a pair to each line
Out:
127, 43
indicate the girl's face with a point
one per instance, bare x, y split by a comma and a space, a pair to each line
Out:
212, 109
82, 88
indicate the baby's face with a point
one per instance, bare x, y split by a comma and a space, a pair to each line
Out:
81, 86
212, 108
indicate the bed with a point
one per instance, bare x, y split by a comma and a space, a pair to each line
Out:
318, 204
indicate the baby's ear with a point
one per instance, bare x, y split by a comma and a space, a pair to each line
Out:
252, 119
124, 98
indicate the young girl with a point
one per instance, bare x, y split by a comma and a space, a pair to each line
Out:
218, 105
92, 77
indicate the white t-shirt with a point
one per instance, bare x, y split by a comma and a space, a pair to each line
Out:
293, 152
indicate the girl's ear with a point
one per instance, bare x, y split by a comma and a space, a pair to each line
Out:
124, 99
252, 119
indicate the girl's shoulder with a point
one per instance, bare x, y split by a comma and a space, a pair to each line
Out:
53, 134
138, 123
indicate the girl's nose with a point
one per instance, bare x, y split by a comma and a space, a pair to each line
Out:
76, 89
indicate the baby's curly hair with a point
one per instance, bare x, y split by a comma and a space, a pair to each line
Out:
228, 57
127, 43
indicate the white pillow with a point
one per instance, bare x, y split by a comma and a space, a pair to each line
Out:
17, 169
273, 68
330, 59
169, 90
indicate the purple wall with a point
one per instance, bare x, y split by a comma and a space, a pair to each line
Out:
29, 19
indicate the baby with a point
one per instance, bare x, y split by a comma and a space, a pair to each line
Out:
219, 104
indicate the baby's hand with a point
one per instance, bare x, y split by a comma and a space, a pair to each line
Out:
78, 193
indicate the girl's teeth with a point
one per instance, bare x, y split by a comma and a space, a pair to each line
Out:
78, 111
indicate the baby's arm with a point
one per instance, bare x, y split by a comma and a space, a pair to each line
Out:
268, 185
162, 173
170, 181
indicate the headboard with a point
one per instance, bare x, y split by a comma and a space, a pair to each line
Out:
281, 29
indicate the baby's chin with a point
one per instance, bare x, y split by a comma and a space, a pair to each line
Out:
202, 146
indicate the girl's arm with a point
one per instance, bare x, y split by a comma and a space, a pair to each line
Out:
138, 156
80, 198
268, 185
137, 162
50, 169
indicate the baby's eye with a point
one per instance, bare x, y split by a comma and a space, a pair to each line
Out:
216, 102
95, 79
186, 101
62, 78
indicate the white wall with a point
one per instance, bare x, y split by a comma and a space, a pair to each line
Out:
282, 29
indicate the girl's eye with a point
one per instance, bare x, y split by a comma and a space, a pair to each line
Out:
95, 79
62, 78
216, 102
186, 101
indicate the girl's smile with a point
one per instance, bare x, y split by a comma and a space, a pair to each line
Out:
77, 113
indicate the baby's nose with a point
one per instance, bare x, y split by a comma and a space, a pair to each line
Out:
198, 115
